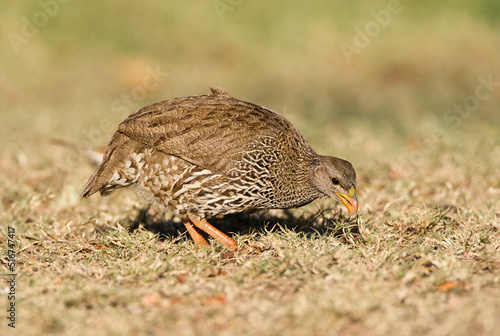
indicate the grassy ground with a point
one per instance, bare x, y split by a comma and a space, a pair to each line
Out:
422, 258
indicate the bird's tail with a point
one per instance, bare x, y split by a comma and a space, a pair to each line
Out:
118, 168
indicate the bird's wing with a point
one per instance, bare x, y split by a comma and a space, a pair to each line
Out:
208, 131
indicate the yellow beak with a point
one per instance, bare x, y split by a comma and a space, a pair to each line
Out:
350, 201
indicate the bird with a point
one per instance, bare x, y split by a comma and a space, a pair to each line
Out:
208, 155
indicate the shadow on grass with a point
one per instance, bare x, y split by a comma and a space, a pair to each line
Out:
259, 222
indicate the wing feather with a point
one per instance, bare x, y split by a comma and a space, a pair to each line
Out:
199, 128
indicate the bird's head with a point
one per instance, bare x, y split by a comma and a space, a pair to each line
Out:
335, 177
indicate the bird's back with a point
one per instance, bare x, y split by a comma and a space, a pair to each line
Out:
208, 130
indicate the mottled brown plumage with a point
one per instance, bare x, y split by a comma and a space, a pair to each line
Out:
206, 155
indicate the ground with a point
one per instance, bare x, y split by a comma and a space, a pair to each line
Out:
408, 92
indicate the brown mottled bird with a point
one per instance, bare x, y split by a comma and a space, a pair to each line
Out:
210, 155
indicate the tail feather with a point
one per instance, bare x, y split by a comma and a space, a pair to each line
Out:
110, 174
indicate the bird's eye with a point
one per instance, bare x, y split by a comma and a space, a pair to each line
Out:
335, 180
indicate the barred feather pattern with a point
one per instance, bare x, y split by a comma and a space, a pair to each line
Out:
253, 183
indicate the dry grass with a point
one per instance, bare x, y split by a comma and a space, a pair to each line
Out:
422, 258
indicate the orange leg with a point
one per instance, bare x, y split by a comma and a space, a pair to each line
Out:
197, 237
222, 238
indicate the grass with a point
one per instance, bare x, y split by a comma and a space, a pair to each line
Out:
422, 258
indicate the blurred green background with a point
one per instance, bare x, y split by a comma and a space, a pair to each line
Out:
73, 70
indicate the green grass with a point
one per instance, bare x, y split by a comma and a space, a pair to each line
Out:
422, 258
